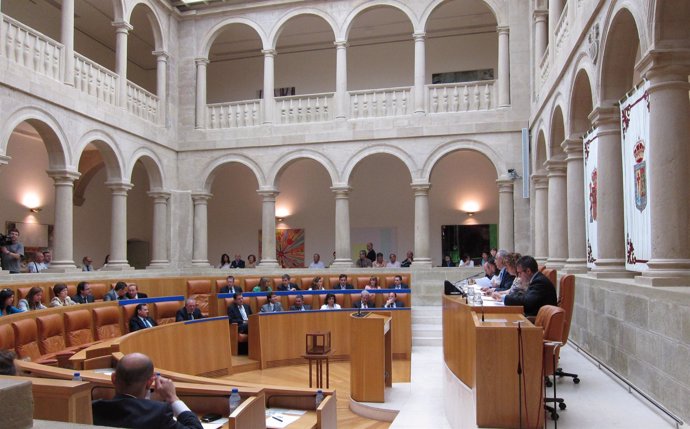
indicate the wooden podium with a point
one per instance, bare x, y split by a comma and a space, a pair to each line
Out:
370, 356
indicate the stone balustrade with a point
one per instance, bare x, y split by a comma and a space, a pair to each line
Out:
27, 47
142, 103
374, 103
461, 97
304, 108
95, 80
237, 114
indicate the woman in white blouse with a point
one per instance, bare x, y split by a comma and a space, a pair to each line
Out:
330, 303
62, 298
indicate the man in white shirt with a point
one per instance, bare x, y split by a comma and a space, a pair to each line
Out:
317, 262
38, 264
393, 261
87, 264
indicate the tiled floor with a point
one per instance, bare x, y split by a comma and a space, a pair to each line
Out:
598, 401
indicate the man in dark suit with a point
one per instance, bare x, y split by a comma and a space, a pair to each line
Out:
141, 319
133, 292
371, 253
230, 286
237, 262
239, 313
393, 302
84, 294
342, 283
299, 304
364, 302
132, 378
398, 284
286, 284
188, 312
540, 291
505, 279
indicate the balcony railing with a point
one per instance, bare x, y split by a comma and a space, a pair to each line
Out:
374, 103
29, 48
304, 108
142, 103
544, 67
237, 114
95, 80
562, 30
461, 97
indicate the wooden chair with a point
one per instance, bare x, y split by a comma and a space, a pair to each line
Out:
389, 280
362, 282
550, 274
26, 342
106, 322
200, 290
98, 290
165, 312
6, 337
305, 282
250, 283
552, 319
51, 339
127, 313
78, 328
566, 300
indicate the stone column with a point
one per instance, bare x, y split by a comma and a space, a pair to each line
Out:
506, 214
555, 11
67, 40
162, 85
541, 37
118, 227
610, 230
200, 245
421, 225
341, 94
269, 99
159, 258
575, 182
3, 161
268, 228
558, 214
201, 64
667, 162
122, 29
503, 66
343, 256
419, 73
63, 251
541, 216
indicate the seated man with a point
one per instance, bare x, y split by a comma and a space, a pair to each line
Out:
239, 313
84, 294
393, 302
299, 304
132, 378
398, 284
318, 263
505, 279
230, 286
87, 264
364, 301
189, 311
37, 263
379, 262
272, 305
133, 292
237, 262
141, 319
363, 261
118, 292
540, 291
408, 261
286, 284
342, 283
393, 261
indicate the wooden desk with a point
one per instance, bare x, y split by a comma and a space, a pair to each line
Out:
370, 360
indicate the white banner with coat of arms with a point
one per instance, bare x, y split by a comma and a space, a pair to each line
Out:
636, 198
590, 143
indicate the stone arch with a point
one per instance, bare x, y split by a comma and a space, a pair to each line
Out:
282, 22
152, 165
581, 103
557, 131
118, 10
109, 150
453, 146
213, 167
493, 5
539, 154
154, 19
289, 158
669, 23
372, 150
347, 25
212, 34
47, 127
618, 55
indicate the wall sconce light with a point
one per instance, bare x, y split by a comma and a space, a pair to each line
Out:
279, 219
35, 209
470, 214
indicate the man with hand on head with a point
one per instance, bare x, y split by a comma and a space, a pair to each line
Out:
132, 378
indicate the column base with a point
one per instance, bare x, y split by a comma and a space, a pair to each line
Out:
575, 266
64, 267
342, 263
117, 266
610, 269
201, 263
541, 260
422, 263
157, 265
555, 263
665, 272
4, 273
268, 264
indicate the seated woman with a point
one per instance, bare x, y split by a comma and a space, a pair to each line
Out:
447, 262
379, 262
263, 285
317, 284
330, 303
466, 261
373, 283
62, 298
6, 302
224, 261
251, 261
33, 300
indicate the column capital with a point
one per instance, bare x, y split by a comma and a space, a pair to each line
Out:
419, 36
268, 193
269, 52
503, 29
341, 44
666, 62
341, 191
605, 116
63, 176
122, 26
201, 61
119, 187
161, 55
540, 181
159, 195
505, 185
4, 159
420, 188
201, 197
572, 148
555, 168
540, 15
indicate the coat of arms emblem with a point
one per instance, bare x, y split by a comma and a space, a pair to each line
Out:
640, 172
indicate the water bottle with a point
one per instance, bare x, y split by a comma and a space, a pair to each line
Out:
76, 377
319, 397
235, 400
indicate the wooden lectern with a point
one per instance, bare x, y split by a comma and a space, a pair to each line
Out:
370, 356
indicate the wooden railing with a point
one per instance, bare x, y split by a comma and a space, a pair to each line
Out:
236, 114
95, 80
27, 47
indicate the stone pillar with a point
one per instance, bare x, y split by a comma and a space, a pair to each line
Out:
575, 182
341, 95
200, 245
118, 227
669, 136
503, 66
159, 258
506, 214
610, 230
419, 73
558, 214
555, 11
201, 64
162, 85
3, 161
122, 29
541, 37
343, 256
63, 251
421, 225
67, 40
541, 217
269, 99
268, 228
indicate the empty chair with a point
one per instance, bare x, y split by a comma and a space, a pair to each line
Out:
250, 283
26, 342
51, 338
106, 322
98, 290
552, 319
164, 312
550, 274
200, 290
6, 337
566, 300
78, 332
